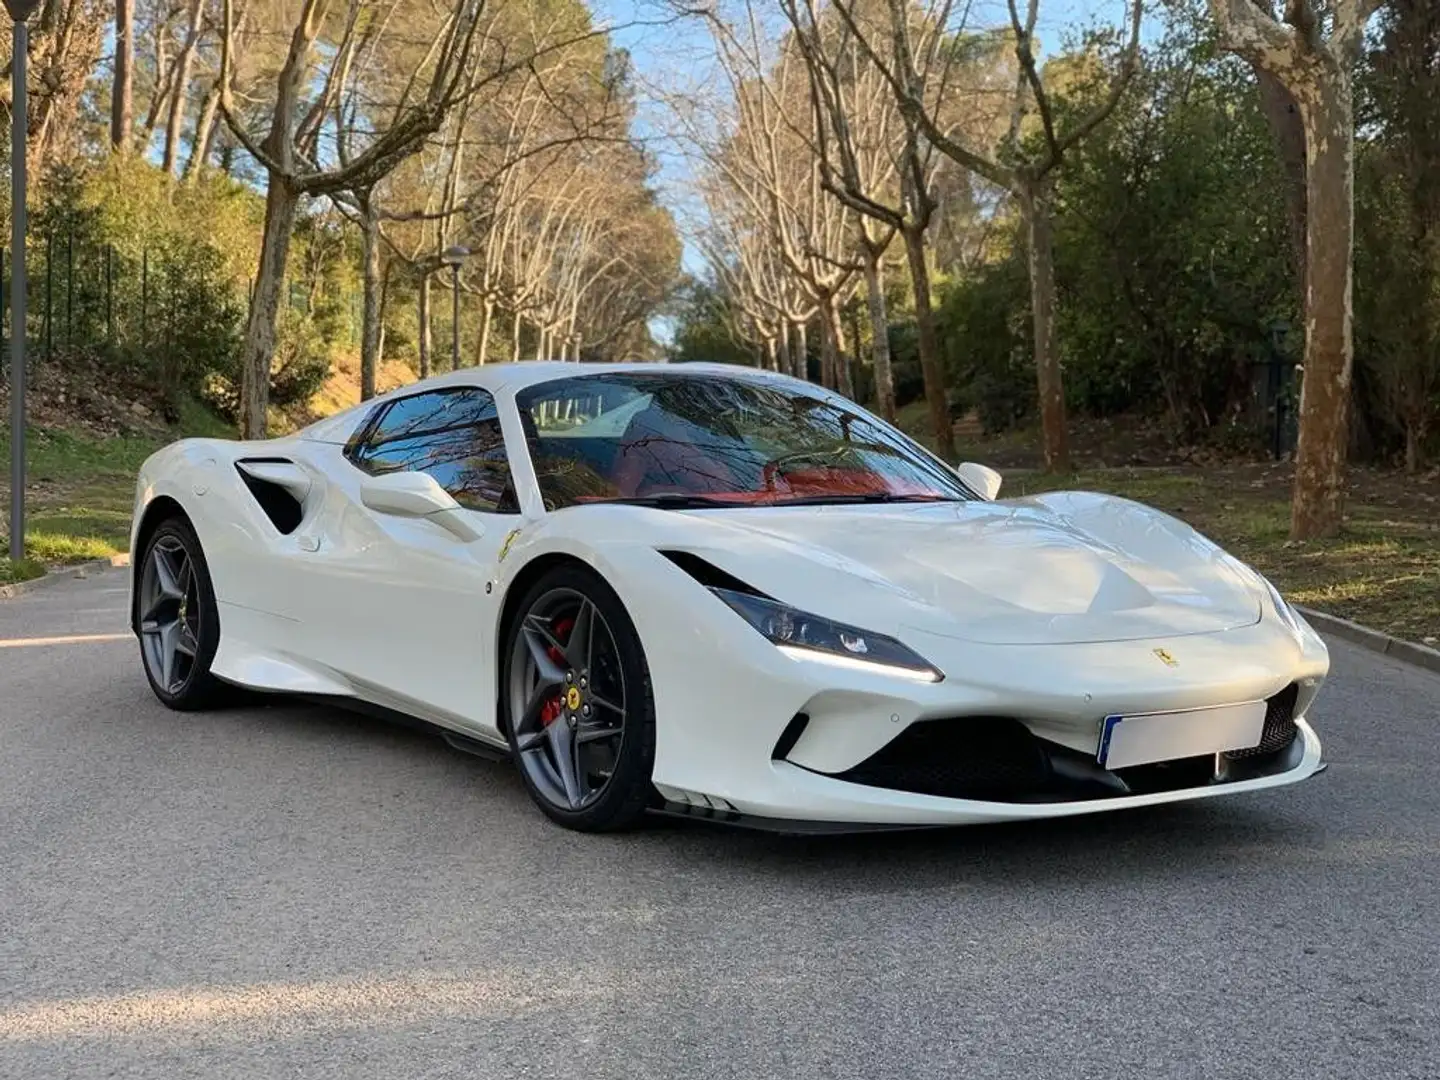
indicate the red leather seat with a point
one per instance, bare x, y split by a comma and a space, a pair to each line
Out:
659, 453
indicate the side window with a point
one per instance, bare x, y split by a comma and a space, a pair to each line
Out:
454, 435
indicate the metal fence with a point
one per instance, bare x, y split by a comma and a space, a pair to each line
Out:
87, 296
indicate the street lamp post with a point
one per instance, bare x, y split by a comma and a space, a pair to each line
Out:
20, 10
453, 257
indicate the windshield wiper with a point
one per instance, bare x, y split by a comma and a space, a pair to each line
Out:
673, 500
859, 500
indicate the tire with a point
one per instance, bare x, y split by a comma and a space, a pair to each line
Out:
193, 614
591, 704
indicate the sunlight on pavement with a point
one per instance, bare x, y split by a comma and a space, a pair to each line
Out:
273, 1006
73, 639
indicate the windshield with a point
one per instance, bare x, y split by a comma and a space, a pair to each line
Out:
681, 441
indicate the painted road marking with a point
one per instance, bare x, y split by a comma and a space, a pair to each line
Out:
73, 639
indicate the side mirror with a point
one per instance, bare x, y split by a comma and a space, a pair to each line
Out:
980, 478
417, 495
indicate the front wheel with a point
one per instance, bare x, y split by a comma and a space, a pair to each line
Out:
578, 708
178, 619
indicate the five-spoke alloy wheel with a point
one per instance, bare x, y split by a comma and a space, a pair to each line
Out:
176, 617
580, 717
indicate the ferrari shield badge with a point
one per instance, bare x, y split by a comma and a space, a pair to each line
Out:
1166, 658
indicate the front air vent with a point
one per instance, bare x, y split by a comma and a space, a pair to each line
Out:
1279, 731
708, 574
789, 737
981, 757
277, 500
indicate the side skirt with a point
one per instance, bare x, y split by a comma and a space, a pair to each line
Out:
464, 743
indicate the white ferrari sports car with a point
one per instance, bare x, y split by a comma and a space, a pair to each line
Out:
716, 591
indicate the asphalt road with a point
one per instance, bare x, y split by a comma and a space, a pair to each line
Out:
292, 891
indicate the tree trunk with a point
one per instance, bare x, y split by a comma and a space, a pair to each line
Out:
204, 132
1414, 441
178, 101
844, 382
829, 359
802, 351
487, 315
157, 104
122, 90
852, 357
1287, 129
935, 395
880, 329
384, 310
1036, 210
515, 337
370, 324
1318, 506
770, 362
426, 340
782, 343
281, 201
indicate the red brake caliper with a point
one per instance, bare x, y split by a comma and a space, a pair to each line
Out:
556, 705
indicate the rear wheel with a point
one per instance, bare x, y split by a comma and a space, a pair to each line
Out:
578, 706
178, 620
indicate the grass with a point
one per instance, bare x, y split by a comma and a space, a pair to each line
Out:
81, 492
24, 570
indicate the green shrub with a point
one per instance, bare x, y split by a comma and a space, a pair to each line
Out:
302, 360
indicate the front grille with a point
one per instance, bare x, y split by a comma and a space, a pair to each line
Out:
997, 759
1279, 731
981, 757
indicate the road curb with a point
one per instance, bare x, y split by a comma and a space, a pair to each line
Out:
1409, 652
74, 570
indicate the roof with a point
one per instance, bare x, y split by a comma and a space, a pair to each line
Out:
513, 376
516, 376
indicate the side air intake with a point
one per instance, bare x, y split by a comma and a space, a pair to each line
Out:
279, 487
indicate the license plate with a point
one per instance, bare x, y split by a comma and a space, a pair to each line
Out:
1145, 738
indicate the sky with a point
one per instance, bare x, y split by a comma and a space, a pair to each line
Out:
667, 54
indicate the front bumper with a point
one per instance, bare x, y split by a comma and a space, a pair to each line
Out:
727, 704
807, 801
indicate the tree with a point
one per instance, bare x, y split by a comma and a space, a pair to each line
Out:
1398, 262
1312, 53
759, 298
766, 157
1024, 167
288, 151
1171, 240
121, 100
66, 39
876, 162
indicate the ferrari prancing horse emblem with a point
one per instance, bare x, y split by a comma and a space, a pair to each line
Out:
572, 698
1166, 658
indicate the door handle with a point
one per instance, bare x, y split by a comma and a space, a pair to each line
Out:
308, 543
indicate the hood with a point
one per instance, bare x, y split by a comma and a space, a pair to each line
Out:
1059, 568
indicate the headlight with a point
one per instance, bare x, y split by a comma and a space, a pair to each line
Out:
810, 637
